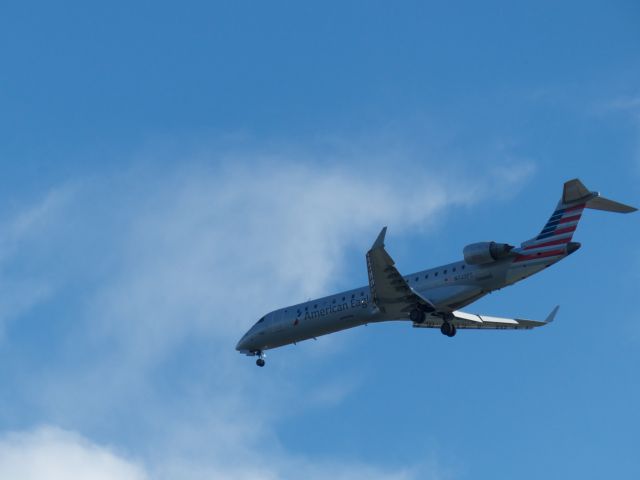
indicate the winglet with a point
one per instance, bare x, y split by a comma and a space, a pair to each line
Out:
379, 243
552, 315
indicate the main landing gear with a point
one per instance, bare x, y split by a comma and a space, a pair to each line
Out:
260, 361
417, 316
448, 329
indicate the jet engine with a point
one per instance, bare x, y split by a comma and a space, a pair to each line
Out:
486, 252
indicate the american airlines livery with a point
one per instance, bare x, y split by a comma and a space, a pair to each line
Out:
432, 298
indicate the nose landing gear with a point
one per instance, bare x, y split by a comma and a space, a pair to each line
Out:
260, 361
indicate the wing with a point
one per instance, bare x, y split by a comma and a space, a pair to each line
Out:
390, 292
469, 320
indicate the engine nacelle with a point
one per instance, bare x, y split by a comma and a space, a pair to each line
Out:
485, 252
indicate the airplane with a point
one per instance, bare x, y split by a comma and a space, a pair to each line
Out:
432, 298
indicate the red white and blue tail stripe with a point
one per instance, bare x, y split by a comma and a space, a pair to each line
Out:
560, 227
555, 235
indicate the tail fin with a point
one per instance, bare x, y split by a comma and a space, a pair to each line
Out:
564, 220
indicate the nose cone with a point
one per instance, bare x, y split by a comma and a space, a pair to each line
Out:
243, 344
250, 341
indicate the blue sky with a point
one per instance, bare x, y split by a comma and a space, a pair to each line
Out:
171, 172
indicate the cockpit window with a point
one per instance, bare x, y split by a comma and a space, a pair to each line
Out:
262, 319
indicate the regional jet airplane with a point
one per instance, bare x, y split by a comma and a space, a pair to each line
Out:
432, 298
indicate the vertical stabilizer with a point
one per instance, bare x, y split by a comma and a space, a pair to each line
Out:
575, 191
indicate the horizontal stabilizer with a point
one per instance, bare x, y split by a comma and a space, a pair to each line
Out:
574, 191
601, 203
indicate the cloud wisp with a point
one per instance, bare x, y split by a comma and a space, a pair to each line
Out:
24, 282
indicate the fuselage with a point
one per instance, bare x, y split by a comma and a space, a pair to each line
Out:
448, 287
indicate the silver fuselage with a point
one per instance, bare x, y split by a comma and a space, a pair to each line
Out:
448, 287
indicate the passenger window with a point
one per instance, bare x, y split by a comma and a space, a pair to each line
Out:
454, 269
435, 274
353, 295
444, 273
417, 279
426, 276
362, 294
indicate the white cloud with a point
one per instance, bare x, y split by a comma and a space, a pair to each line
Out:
295, 470
54, 454
193, 254
212, 249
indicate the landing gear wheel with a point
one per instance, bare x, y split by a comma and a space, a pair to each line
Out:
260, 361
416, 316
448, 329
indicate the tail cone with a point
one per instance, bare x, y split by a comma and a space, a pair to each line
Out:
572, 247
